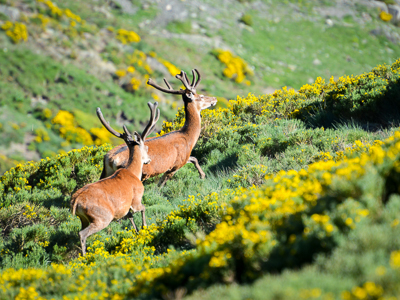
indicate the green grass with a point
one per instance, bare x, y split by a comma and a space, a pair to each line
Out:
357, 258
233, 157
283, 52
31, 83
246, 145
38, 229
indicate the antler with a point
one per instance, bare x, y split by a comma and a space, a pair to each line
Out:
108, 127
184, 79
198, 78
154, 116
169, 91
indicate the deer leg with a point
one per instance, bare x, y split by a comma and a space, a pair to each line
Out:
144, 178
131, 219
144, 224
100, 218
84, 222
88, 231
194, 161
103, 173
167, 175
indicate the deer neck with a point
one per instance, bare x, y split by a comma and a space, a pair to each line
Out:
192, 125
135, 164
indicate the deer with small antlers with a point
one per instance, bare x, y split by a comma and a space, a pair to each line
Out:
97, 204
171, 151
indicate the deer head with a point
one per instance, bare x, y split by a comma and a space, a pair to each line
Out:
136, 139
189, 94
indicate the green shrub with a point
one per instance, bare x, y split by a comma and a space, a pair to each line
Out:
247, 19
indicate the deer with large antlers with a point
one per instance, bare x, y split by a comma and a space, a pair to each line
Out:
171, 151
97, 204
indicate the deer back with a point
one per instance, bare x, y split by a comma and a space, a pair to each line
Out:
171, 151
167, 152
115, 194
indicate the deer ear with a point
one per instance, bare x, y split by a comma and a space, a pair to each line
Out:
136, 137
189, 96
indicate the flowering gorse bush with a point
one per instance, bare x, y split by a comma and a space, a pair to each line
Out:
23, 179
360, 97
236, 67
283, 223
66, 125
57, 12
278, 196
126, 36
16, 31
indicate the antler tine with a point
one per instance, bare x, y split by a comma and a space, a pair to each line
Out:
106, 124
193, 79
155, 121
169, 91
150, 123
167, 84
183, 78
126, 130
187, 80
198, 78
154, 115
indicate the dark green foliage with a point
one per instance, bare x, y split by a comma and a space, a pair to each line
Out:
247, 19
31, 82
38, 228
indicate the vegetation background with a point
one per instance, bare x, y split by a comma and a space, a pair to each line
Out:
301, 196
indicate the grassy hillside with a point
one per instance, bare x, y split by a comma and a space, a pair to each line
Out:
299, 186
61, 59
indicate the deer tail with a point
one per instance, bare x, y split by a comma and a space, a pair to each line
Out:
74, 203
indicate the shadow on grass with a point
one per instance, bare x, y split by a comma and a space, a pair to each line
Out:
224, 165
382, 112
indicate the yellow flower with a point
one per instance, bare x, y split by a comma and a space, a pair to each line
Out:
395, 259
120, 73
385, 16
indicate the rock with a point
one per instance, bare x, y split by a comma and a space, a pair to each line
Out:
97, 65
106, 66
11, 12
43, 100
269, 90
329, 22
204, 42
104, 11
316, 62
394, 10
339, 10
127, 7
366, 17
378, 4
195, 26
157, 66
47, 34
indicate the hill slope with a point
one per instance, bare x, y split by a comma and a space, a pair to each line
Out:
285, 201
62, 59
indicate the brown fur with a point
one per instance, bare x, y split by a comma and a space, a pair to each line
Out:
97, 204
171, 151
